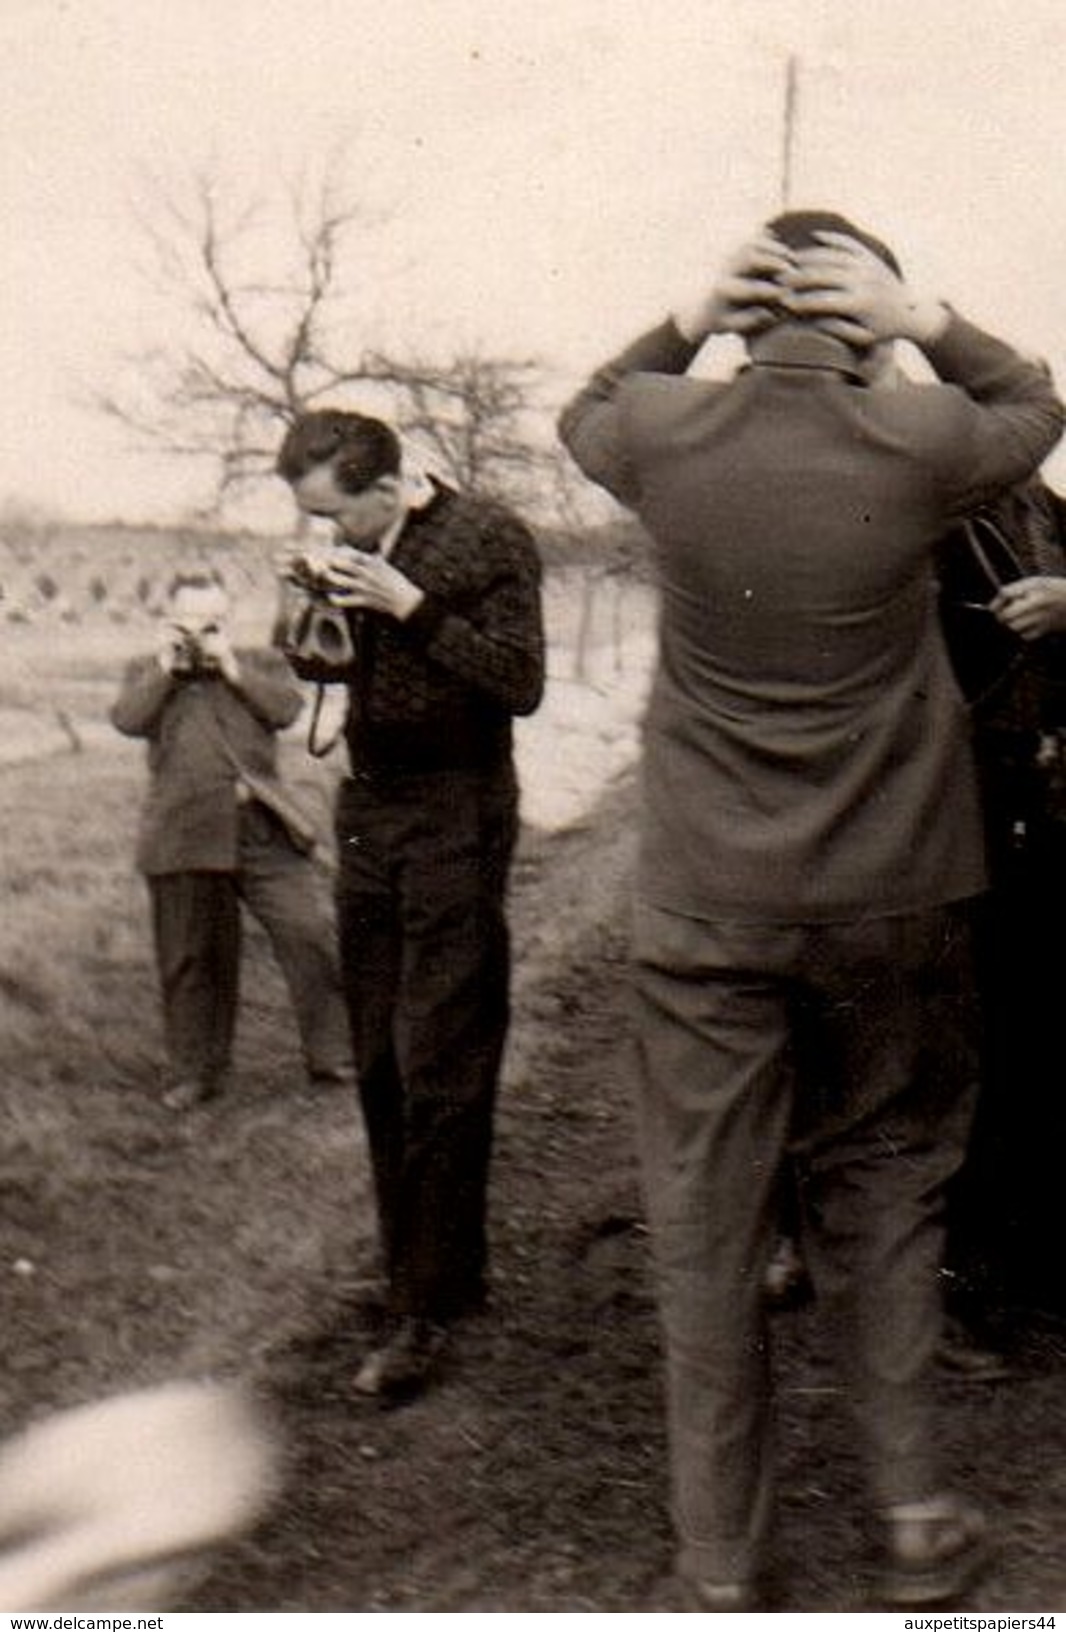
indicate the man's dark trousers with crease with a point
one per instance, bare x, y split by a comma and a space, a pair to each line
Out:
424, 947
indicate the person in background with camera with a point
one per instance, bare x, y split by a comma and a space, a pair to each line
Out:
811, 841
218, 827
440, 593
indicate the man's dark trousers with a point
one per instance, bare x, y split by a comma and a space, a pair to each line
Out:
880, 1112
196, 918
423, 864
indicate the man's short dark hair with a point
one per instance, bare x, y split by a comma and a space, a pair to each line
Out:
359, 448
797, 229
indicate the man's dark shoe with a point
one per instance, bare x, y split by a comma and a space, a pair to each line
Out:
717, 1597
184, 1096
786, 1282
935, 1551
405, 1365
332, 1079
964, 1356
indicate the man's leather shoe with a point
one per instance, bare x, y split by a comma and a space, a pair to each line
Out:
184, 1096
936, 1550
965, 1357
786, 1282
716, 1597
331, 1078
405, 1365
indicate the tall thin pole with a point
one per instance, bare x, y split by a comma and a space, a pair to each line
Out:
789, 132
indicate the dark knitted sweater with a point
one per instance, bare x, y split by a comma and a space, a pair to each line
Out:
439, 690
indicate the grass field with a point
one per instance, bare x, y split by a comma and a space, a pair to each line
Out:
120, 1228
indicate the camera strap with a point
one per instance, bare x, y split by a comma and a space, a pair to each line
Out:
271, 792
317, 749
317, 640
975, 561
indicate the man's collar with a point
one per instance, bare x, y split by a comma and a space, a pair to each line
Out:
417, 492
387, 541
796, 345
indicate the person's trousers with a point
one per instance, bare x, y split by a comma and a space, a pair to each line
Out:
425, 961
1005, 1214
196, 919
853, 1042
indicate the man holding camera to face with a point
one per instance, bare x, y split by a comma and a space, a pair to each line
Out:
218, 827
439, 593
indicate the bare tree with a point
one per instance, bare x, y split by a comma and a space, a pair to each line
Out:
255, 291
481, 420
262, 299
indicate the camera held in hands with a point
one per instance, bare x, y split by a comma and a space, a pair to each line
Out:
313, 631
189, 654
312, 574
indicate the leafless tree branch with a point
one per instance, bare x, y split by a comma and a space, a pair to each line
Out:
250, 291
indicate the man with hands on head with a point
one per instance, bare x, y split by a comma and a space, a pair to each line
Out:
219, 828
811, 840
441, 596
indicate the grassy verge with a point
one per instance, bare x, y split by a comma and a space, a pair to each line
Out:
135, 1246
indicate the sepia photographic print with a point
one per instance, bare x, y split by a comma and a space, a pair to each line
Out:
533, 809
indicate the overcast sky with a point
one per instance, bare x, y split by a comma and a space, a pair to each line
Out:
554, 169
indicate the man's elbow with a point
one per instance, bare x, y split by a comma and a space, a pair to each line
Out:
529, 692
567, 423
589, 433
576, 429
126, 721
1046, 429
289, 709
1048, 406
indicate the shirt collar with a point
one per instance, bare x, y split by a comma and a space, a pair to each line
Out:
387, 541
416, 493
795, 345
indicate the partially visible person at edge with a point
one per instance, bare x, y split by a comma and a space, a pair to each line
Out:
811, 841
1004, 1213
1005, 1217
218, 828
441, 592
